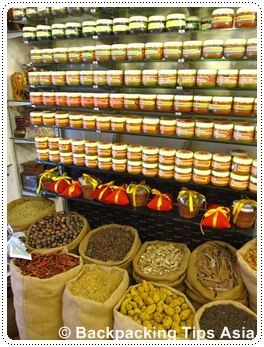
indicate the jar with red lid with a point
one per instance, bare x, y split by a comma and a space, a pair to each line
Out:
41, 142
167, 126
204, 128
201, 103
87, 99
62, 119
202, 160
116, 100
243, 132
35, 98
65, 145
167, 156
104, 149
61, 98
164, 102
134, 167
48, 98
166, 171
154, 51
221, 162
219, 178
75, 120
201, 176
133, 124
147, 102
243, 106
150, 125
221, 105
223, 130
91, 161
222, 18
119, 150
150, 154
54, 155
149, 169
43, 154
183, 158
246, 17
48, 118
66, 158
134, 152
183, 175
185, 128
119, 165
90, 147
252, 48
103, 122
183, 103
118, 123
101, 100
89, 121
74, 99
86, 78
53, 142
131, 101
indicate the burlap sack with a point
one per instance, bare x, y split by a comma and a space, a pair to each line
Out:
38, 302
199, 334
126, 328
248, 274
95, 317
198, 294
72, 246
24, 225
173, 279
125, 263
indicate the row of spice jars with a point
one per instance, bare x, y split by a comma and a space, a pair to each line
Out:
222, 105
209, 49
203, 78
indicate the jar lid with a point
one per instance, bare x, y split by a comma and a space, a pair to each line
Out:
183, 170
78, 155
115, 72
207, 71
166, 167
150, 120
223, 11
75, 116
242, 160
167, 121
119, 46
65, 141
47, 50
119, 146
91, 157
154, 44
246, 9
244, 99
131, 96
168, 72
43, 27
101, 95
204, 123
248, 71
48, 114
151, 72
87, 95
120, 20
72, 73
88, 48
185, 122
116, 95
254, 162
75, 95
32, 51
201, 172
103, 47
58, 26
42, 151
60, 93
165, 96
60, 49
184, 154
202, 97
73, 24
187, 72
223, 98
147, 96
221, 173
213, 42
235, 42
150, 150
132, 72
54, 151
58, 73
89, 117
156, 18
138, 19
41, 138
100, 72
54, 139
48, 94
228, 72
176, 16
104, 21
75, 49
252, 40
149, 165
45, 73
244, 126
91, 143
78, 142
102, 118
134, 148
253, 179
33, 73
223, 125
35, 93
134, 163
192, 43
66, 154
104, 145
86, 73
239, 177
193, 18
183, 97
120, 119
136, 45
203, 155
119, 161
135, 119
61, 115
173, 43
89, 23
222, 157
167, 151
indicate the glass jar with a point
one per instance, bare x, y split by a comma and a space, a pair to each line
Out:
114, 78
134, 152
132, 78
116, 100
78, 146
90, 147
48, 98
101, 100
201, 103
118, 123
103, 52
35, 98
202, 160
134, 167
164, 103
61, 119
33, 78
219, 178
166, 171
119, 165
156, 24
201, 176
192, 50
88, 28
247, 78
45, 78
100, 77
89, 121
75, 120
167, 156
149, 169
183, 175
204, 129
58, 31
61, 55
175, 22
238, 182
252, 185
167, 126
29, 34
243, 132
44, 12
206, 23
43, 32
41, 142
186, 78
120, 26
243, 106
36, 56
185, 128
255, 107
87, 99
66, 158
150, 154
54, 156
48, 118
91, 161
221, 104
235, 48
222, 18
147, 102
88, 53
252, 48
73, 30
241, 165
154, 51
131, 101
103, 122
86, 78
246, 17
119, 52
172, 50
149, 78
221, 162
227, 78
150, 125
134, 124
119, 150
19, 13
74, 99
183, 103
213, 49
65, 145
43, 154
206, 78
58, 78
167, 78
75, 54
135, 51
193, 23
184, 158
73, 78
58, 11
104, 27
223, 131
254, 170
138, 25
61, 99
78, 159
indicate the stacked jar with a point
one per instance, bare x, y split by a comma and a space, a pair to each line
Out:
241, 169
104, 153
134, 159
252, 186
166, 162
119, 157
202, 167
150, 161
183, 165
221, 164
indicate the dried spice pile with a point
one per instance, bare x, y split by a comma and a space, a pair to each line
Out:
251, 257
47, 265
27, 211
110, 244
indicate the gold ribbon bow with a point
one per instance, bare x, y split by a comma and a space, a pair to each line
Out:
72, 187
90, 179
119, 188
193, 197
133, 187
240, 204
161, 195
46, 174
105, 186
224, 210
59, 179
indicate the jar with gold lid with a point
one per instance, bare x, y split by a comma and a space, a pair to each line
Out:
134, 124
167, 156
134, 152
184, 158
89, 121
119, 150
87, 99
252, 185
164, 102
166, 171
150, 154
238, 182
204, 128
101, 100
223, 130
183, 175
220, 178
66, 158
246, 17
119, 165
65, 144
78, 146
201, 103
41, 142
221, 162
103, 122
167, 126
243, 132
222, 18
149, 169
247, 78
104, 149
91, 161
192, 49
62, 119
54, 155
186, 78
252, 48
118, 123
53, 142
131, 101
241, 165
90, 147
202, 160
134, 167
48, 118
183, 103
147, 102
154, 51
150, 125
201, 176
185, 128
235, 48
116, 100
213, 49
172, 50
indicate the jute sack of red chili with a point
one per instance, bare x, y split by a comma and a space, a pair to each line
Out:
38, 286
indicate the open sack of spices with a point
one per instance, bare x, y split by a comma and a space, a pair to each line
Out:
89, 299
162, 262
110, 245
244, 212
22, 212
190, 202
213, 274
225, 320
138, 193
166, 311
46, 179
88, 185
161, 201
38, 285
216, 216
56, 230
247, 260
